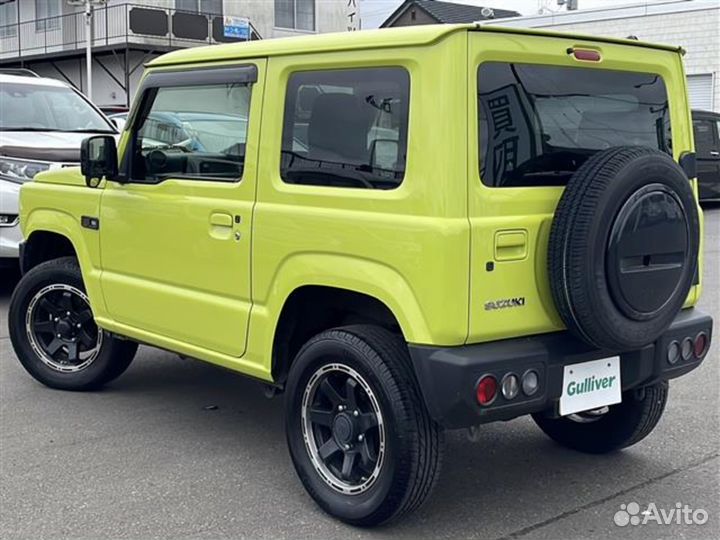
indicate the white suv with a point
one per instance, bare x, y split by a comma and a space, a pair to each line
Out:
42, 123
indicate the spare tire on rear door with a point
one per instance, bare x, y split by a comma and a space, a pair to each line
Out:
623, 247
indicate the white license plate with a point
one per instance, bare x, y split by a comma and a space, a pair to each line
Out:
590, 385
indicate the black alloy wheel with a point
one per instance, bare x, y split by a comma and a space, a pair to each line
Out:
343, 428
61, 329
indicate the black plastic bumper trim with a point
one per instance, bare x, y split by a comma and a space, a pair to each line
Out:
448, 375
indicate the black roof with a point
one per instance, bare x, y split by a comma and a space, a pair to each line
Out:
449, 12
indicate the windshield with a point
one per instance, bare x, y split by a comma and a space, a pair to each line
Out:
29, 107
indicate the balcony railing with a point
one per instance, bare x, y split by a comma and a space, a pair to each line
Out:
120, 25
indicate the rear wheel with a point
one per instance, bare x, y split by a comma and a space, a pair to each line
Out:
54, 334
611, 428
358, 432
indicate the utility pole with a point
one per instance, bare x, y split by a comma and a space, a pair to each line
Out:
88, 47
89, 5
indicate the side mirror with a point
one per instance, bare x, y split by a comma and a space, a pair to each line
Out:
384, 154
98, 159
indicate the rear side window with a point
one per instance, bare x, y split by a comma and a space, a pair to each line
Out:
538, 124
346, 128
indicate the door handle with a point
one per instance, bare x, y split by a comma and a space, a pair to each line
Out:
511, 245
218, 219
714, 153
221, 225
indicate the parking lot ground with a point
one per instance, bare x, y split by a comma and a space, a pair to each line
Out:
151, 457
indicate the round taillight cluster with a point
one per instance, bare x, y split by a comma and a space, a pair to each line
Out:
688, 348
701, 345
530, 382
486, 390
510, 386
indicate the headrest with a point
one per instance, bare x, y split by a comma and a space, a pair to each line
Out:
338, 128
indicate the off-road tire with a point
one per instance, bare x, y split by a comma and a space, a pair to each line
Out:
114, 355
623, 425
414, 440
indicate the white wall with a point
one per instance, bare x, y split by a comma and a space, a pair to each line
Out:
330, 16
105, 90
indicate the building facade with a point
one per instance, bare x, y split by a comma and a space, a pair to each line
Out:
49, 36
694, 25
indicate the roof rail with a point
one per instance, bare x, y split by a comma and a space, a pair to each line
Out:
20, 72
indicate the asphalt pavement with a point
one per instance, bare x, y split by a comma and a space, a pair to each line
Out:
180, 449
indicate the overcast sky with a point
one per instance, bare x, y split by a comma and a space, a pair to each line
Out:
374, 12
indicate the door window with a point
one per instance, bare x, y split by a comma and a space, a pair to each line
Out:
346, 128
193, 132
539, 124
704, 137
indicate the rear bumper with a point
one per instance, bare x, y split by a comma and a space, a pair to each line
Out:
448, 376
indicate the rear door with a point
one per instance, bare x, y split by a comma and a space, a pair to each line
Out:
536, 114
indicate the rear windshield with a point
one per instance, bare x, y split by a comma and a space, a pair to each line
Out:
538, 124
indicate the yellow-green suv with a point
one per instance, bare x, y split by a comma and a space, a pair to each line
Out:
403, 230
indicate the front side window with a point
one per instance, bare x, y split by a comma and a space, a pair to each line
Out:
193, 132
47, 15
295, 14
32, 107
539, 124
346, 128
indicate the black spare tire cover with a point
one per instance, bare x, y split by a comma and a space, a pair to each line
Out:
623, 247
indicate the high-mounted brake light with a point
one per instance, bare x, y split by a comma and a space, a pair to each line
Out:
586, 55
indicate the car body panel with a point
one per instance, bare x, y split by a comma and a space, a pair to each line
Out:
409, 36
48, 139
411, 248
56, 203
10, 234
529, 210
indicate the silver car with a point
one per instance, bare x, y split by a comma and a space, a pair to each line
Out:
42, 123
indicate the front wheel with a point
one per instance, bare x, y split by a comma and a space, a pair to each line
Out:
611, 428
54, 334
358, 432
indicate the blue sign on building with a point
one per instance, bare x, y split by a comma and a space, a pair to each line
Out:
236, 27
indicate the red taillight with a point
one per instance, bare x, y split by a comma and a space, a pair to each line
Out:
701, 345
486, 390
587, 55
